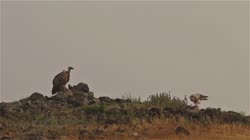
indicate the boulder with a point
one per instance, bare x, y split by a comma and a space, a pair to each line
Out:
77, 100
192, 109
80, 87
93, 101
7, 108
90, 95
64, 94
36, 96
105, 99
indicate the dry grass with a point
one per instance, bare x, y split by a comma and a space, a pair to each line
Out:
162, 130
158, 129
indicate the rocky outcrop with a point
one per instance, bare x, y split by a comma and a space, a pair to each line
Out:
78, 104
105, 99
81, 87
78, 95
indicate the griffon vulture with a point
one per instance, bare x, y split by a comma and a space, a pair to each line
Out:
196, 98
61, 80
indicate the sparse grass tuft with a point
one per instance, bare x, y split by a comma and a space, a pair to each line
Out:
94, 109
164, 99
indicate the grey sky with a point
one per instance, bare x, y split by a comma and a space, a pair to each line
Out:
120, 48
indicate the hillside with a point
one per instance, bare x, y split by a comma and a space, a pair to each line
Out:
78, 114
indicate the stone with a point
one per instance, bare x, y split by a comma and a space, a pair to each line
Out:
36, 96
155, 112
181, 130
192, 109
64, 94
105, 99
94, 101
80, 87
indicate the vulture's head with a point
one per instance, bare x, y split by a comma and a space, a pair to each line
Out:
203, 97
70, 68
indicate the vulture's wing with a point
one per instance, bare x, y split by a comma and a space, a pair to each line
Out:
61, 78
59, 81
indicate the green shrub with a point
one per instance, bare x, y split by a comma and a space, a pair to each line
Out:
94, 109
165, 100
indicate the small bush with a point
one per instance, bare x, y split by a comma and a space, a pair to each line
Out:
165, 100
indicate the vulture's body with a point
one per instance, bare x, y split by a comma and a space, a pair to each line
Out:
61, 80
196, 98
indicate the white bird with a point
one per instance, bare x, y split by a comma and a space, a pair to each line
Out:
196, 98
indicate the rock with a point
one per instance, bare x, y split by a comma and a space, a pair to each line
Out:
7, 108
247, 118
141, 113
80, 87
83, 134
234, 117
168, 111
94, 101
3, 110
155, 112
105, 99
36, 96
212, 113
135, 134
119, 101
64, 94
181, 130
53, 135
192, 109
34, 101
78, 100
90, 95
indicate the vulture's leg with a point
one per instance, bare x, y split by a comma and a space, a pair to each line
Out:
196, 102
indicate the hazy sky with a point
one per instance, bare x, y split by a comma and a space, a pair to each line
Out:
121, 48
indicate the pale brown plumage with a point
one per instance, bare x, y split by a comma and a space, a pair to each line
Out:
61, 80
196, 98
